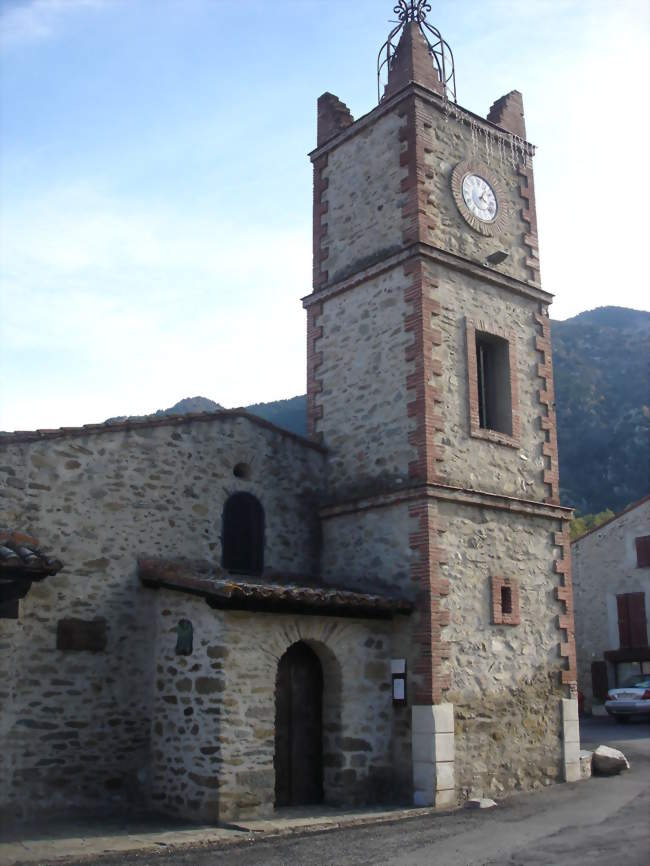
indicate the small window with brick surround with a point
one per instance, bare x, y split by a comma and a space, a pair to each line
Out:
642, 551
492, 379
505, 601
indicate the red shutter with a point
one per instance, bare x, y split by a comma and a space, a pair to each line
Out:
623, 621
643, 551
637, 619
632, 623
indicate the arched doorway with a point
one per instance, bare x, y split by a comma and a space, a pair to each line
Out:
298, 728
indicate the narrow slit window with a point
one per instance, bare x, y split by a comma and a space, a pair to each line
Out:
506, 599
493, 378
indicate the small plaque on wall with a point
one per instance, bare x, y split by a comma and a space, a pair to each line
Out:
78, 635
398, 671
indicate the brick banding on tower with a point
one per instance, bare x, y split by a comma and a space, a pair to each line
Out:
547, 400
564, 594
314, 361
321, 207
430, 678
529, 216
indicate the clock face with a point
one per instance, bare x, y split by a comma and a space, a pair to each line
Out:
480, 198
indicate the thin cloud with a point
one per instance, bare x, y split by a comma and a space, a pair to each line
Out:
113, 290
36, 20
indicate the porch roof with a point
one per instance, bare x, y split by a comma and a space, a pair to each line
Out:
270, 592
21, 563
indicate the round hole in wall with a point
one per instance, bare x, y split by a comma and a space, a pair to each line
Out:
242, 470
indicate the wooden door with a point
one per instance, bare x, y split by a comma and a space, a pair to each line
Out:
298, 728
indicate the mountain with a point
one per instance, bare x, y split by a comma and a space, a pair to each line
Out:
602, 375
601, 361
290, 414
183, 407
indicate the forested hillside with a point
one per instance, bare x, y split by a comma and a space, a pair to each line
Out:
602, 388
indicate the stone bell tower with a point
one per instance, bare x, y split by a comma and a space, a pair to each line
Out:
430, 382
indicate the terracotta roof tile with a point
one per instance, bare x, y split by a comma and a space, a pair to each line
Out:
20, 557
270, 592
146, 423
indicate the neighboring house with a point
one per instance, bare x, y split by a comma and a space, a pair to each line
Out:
227, 617
611, 580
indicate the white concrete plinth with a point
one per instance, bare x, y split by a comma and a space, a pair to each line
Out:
570, 740
433, 749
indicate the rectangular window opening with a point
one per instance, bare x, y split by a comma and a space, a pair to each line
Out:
506, 599
642, 551
493, 375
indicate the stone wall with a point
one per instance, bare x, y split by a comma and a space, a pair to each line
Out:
76, 725
604, 566
505, 680
364, 192
371, 548
365, 419
214, 711
363, 198
472, 462
451, 142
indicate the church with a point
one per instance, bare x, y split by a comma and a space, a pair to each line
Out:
211, 617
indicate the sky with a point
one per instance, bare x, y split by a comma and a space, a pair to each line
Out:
155, 190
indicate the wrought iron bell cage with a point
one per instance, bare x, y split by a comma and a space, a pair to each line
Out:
441, 54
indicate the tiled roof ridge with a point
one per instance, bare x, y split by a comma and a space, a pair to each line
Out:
20, 556
202, 577
8, 438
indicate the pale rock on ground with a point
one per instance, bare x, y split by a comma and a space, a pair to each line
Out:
609, 762
480, 803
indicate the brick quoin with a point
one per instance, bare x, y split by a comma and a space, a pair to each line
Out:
416, 130
561, 566
430, 617
529, 216
321, 207
314, 361
424, 366
564, 594
320, 277
546, 397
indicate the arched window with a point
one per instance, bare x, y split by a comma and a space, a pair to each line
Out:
243, 534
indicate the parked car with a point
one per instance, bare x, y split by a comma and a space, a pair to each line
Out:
632, 698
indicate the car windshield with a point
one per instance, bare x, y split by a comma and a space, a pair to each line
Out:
638, 681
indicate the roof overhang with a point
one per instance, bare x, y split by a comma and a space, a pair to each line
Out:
268, 593
21, 564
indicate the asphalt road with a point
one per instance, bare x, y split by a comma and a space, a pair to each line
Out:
597, 822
